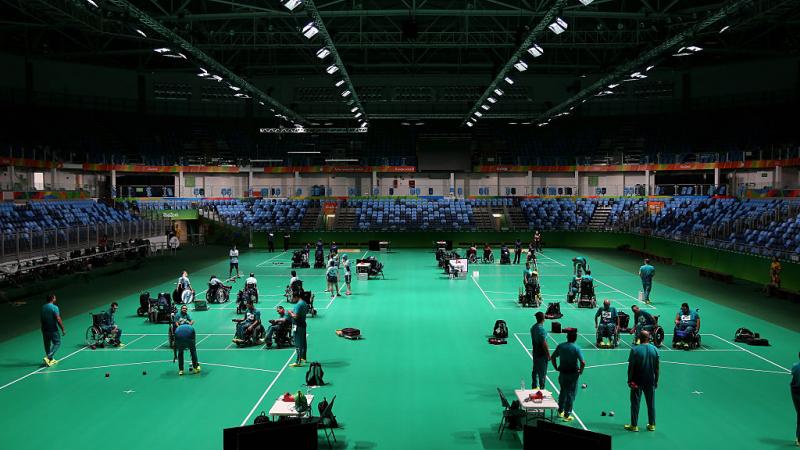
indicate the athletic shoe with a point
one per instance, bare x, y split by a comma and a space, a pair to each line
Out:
797, 442
632, 428
46, 361
296, 364
651, 427
269, 343
194, 369
561, 414
180, 373
120, 345
236, 340
567, 419
53, 362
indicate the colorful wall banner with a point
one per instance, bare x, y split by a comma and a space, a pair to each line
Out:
179, 214
756, 164
341, 169
51, 195
31, 163
138, 168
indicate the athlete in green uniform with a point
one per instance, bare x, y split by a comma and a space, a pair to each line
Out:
646, 273
570, 368
540, 352
643, 372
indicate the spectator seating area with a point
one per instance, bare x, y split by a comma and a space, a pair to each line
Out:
558, 214
38, 216
413, 214
261, 214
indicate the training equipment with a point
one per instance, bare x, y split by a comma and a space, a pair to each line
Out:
500, 329
314, 375
603, 413
611, 413
497, 341
144, 372
583, 385
108, 374
349, 333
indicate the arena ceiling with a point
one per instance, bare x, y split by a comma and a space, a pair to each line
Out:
401, 38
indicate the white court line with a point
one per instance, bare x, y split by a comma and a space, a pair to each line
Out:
515, 275
551, 259
105, 366
201, 340
159, 345
484, 293
131, 342
40, 369
500, 292
268, 260
551, 383
754, 354
239, 367
587, 340
646, 306
723, 367
260, 399
606, 365
205, 350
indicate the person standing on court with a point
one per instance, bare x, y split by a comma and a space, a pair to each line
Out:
51, 322
234, 255
795, 389
540, 352
517, 251
646, 273
643, 371
298, 314
568, 372
286, 237
185, 338
271, 242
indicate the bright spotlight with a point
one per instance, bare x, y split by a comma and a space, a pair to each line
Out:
559, 26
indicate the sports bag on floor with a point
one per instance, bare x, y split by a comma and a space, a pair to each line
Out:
314, 375
500, 329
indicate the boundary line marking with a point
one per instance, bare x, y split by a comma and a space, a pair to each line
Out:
238, 367
484, 293
723, 367
40, 369
551, 383
105, 366
260, 399
268, 260
754, 354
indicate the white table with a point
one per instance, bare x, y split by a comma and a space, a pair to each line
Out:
458, 269
286, 409
548, 404
362, 271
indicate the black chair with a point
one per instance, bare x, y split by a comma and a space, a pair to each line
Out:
509, 414
326, 421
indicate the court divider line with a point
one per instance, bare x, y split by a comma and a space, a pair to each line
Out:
554, 260
131, 342
268, 260
105, 366
40, 369
626, 294
754, 354
266, 391
484, 293
551, 382
238, 367
723, 367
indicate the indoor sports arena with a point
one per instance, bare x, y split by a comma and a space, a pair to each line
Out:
399, 224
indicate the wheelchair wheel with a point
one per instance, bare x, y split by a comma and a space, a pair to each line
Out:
93, 336
141, 312
171, 336
658, 336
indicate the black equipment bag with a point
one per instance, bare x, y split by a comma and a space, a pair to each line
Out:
624, 321
744, 335
553, 311
314, 375
500, 330
261, 418
555, 327
351, 333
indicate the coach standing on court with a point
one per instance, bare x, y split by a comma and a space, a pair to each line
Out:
540, 352
643, 371
646, 273
298, 314
234, 255
51, 322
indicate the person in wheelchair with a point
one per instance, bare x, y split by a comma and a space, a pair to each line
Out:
687, 328
248, 328
574, 289
110, 327
334, 250
472, 254
579, 263
184, 283
280, 329
252, 284
488, 256
586, 297
319, 259
217, 291
644, 321
182, 317
294, 289
608, 328
505, 255
532, 295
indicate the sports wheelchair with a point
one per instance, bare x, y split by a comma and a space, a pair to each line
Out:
319, 259
256, 337
157, 309
282, 336
488, 257
293, 291
531, 296
686, 339
218, 293
97, 335
607, 332
505, 256
300, 260
182, 296
375, 266
655, 330
248, 293
582, 291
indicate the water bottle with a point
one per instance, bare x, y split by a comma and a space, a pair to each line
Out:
522, 384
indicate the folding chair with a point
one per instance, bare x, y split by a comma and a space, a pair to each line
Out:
327, 427
508, 414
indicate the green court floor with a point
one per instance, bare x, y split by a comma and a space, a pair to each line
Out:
424, 375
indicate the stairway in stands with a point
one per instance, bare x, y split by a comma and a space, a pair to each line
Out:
516, 218
311, 220
483, 218
600, 218
345, 219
